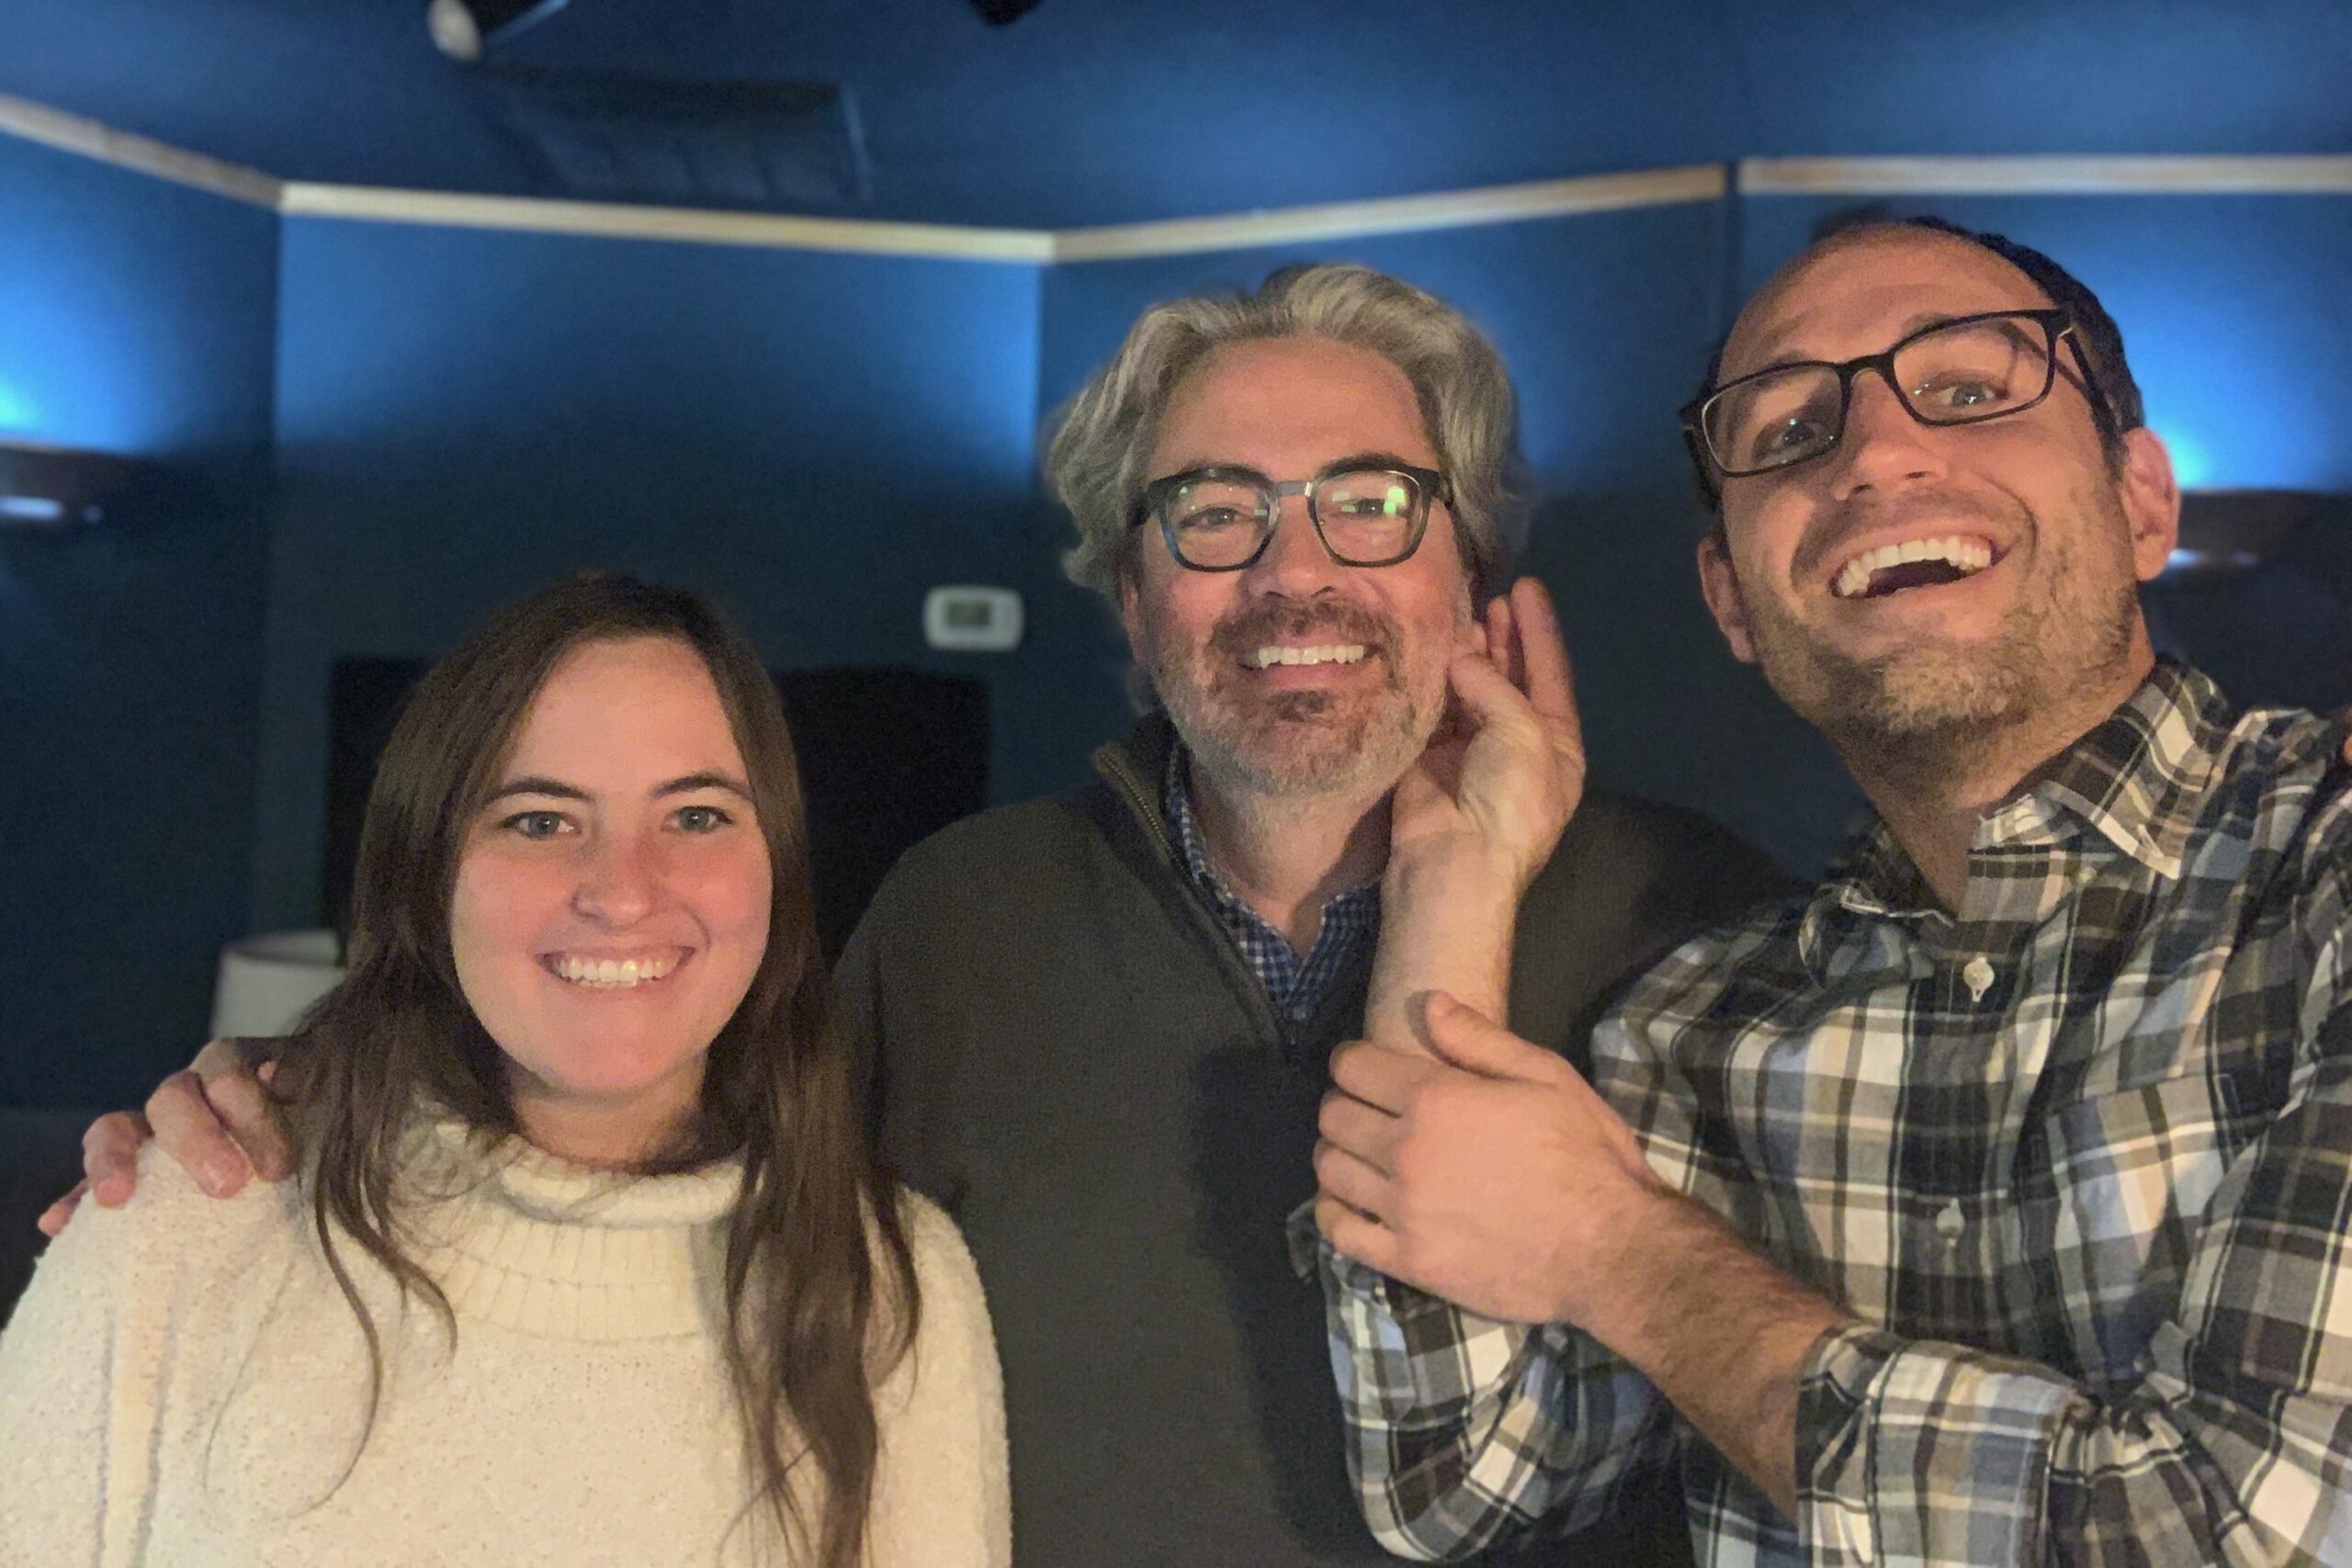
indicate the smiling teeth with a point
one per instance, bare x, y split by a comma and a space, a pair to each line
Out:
1332, 653
613, 972
1971, 556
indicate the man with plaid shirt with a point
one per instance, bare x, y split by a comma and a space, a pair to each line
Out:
1992, 1203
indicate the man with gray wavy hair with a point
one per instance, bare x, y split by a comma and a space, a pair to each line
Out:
1098, 458
1099, 1022
1303, 692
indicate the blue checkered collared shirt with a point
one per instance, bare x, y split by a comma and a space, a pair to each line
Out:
1295, 984
2077, 1156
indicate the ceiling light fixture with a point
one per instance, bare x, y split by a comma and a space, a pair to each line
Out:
460, 28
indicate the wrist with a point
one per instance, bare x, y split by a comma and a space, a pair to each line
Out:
1463, 875
1608, 1293
1681, 1280
1446, 923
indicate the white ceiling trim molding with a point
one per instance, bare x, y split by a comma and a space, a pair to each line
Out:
39, 123
1395, 215
2315, 174
1183, 236
696, 225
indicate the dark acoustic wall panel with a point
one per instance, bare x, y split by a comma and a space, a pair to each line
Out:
887, 757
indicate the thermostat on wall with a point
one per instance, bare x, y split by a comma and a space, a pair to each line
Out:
972, 620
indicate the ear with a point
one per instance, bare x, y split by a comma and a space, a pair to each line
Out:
1720, 583
2151, 495
1131, 605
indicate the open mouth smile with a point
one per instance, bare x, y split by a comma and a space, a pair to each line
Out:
613, 974
1322, 653
1887, 570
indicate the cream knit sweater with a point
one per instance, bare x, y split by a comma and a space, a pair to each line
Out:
184, 1386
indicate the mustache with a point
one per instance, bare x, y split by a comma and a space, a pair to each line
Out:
1831, 540
1251, 627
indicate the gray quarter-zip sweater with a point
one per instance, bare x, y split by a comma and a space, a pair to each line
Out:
1073, 1059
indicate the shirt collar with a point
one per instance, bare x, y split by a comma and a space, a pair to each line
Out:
2138, 780
1176, 805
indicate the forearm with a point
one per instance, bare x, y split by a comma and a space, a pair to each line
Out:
1723, 1335
1446, 924
1887, 1449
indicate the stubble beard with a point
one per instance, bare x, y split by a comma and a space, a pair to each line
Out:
1930, 709
1297, 745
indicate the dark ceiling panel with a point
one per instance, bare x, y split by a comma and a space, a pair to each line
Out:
619, 136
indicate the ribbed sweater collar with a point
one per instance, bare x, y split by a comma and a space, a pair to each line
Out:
518, 1238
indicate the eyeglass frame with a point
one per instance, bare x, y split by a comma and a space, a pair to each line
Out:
1434, 486
2055, 321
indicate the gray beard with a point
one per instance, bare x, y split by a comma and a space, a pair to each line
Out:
1295, 745
1299, 744
1292, 749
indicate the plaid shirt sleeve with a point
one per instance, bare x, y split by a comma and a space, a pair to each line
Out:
2229, 1448
1464, 1432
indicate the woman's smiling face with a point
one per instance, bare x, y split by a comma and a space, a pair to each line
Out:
612, 898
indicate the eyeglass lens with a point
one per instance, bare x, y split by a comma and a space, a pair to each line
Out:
1367, 517
1957, 374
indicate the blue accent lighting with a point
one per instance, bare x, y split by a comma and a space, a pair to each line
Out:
2192, 466
16, 413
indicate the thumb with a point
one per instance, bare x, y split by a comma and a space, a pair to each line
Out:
1465, 1038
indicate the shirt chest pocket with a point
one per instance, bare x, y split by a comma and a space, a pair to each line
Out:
2134, 1176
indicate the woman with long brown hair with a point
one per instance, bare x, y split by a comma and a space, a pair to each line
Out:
589, 1261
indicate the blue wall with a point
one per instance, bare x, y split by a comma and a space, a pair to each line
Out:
135, 318
814, 439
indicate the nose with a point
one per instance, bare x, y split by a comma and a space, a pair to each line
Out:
1294, 564
620, 879
1882, 447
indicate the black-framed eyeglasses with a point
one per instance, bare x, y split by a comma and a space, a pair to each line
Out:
1220, 518
1962, 371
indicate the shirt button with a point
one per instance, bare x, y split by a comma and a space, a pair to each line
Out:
1979, 976
1948, 1223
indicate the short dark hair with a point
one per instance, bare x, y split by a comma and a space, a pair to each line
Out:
2116, 406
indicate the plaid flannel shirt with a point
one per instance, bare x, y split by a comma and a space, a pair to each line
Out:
2079, 1159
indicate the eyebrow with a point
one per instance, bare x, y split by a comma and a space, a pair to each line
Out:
1352, 460
1912, 323
686, 785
